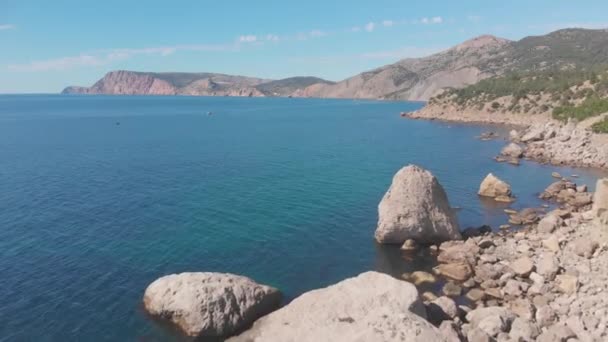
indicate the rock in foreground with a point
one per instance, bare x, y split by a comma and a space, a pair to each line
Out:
210, 304
369, 307
416, 207
600, 201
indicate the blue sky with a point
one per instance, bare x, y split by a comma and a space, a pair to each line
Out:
51, 44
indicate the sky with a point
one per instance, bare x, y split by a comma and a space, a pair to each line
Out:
47, 45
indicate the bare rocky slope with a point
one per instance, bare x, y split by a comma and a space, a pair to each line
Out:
408, 79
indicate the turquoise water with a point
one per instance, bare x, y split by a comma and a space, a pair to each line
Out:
100, 195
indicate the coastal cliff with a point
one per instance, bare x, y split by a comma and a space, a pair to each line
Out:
124, 82
421, 79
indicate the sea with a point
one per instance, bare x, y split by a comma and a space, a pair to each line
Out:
101, 195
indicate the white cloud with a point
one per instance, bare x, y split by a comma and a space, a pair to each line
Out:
317, 33
105, 57
369, 27
250, 38
388, 55
272, 38
388, 23
433, 20
4, 27
59, 63
473, 18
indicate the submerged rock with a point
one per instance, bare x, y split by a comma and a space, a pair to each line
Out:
416, 207
209, 304
369, 307
495, 188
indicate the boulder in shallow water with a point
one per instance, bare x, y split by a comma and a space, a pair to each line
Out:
512, 150
206, 304
416, 207
369, 307
494, 187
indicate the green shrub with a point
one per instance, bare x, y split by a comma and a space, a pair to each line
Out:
601, 126
590, 107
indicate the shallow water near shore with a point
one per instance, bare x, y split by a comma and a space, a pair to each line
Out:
101, 195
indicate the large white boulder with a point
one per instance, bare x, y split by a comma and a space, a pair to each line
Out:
208, 304
416, 207
369, 307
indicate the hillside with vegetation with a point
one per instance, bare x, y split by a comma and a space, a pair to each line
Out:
576, 93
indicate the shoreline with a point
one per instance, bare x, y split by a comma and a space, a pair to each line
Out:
543, 139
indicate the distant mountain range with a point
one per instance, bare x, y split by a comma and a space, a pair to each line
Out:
408, 79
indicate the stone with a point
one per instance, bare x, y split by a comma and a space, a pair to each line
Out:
547, 266
513, 288
551, 243
556, 175
476, 295
485, 243
492, 320
545, 316
512, 150
600, 201
556, 333
523, 330
513, 135
369, 307
567, 283
416, 207
495, 293
522, 266
429, 296
455, 271
581, 188
451, 289
537, 278
584, 247
581, 199
206, 304
487, 271
478, 335
549, 224
449, 330
441, 309
522, 308
533, 134
420, 277
409, 245
555, 188
493, 187
458, 252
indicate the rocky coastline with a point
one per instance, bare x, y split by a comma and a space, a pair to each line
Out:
540, 278
541, 138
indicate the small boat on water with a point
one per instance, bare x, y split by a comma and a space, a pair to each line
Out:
209, 113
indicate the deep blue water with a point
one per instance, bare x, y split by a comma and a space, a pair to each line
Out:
100, 195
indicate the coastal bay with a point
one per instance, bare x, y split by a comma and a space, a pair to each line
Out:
263, 187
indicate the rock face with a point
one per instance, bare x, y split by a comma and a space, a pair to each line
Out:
416, 207
559, 144
369, 307
495, 188
600, 201
123, 82
210, 304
